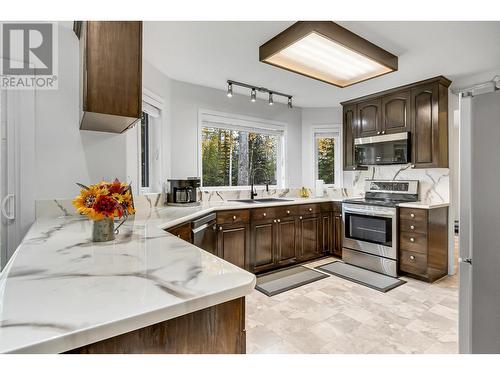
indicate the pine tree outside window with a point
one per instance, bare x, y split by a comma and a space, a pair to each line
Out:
327, 157
231, 149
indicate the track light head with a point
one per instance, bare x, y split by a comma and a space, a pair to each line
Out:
271, 101
290, 102
229, 90
253, 96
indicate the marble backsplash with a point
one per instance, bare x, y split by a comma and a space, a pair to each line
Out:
434, 183
225, 195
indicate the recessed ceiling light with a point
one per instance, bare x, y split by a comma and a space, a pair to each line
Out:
327, 52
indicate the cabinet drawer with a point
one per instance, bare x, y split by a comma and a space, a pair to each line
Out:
413, 226
305, 209
326, 207
273, 212
413, 242
236, 216
413, 214
413, 262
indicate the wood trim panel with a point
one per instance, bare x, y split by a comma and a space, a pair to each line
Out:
219, 329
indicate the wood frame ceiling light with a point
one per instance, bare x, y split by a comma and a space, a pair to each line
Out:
326, 51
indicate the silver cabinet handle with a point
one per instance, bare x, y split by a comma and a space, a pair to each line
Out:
179, 235
264, 214
274, 221
288, 212
4, 203
412, 227
383, 131
412, 239
220, 229
412, 215
279, 221
234, 217
378, 132
300, 217
412, 257
310, 210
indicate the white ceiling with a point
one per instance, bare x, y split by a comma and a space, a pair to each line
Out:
209, 53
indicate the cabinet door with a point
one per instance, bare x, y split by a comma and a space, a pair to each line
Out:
286, 244
326, 232
369, 118
309, 236
263, 235
232, 243
396, 112
425, 143
337, 234
349, 130
183, 231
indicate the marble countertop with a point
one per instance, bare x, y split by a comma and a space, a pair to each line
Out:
422, 205
61, 291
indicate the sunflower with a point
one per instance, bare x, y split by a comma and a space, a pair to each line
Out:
84, 203
125, 203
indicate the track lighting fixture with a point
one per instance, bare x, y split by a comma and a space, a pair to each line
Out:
253, 92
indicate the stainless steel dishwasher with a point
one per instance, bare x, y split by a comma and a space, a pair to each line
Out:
204, 232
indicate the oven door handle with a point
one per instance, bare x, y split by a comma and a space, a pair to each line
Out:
369, 213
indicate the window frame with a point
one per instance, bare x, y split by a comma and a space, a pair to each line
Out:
145, 189
328, 129
246, 123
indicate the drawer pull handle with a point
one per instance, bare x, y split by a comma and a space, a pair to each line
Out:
310, 210
264, 214
274, 221
412, 215
378, 133
412, 239
220, 229
234, 217
300, 217
412, 257
412, 227
279, 221
179, 235
288, 212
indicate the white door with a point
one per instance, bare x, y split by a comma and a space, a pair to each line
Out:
17, 168
479, 225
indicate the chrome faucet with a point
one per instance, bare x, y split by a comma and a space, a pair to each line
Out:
253, 193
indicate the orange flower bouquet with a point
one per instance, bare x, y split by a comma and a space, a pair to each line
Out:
103, 202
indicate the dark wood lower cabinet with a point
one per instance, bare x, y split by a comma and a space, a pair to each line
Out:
286, 244
262, 244
327, 230
218, 329
337, 234
309, 237
232, 243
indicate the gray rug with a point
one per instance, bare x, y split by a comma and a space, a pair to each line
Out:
281, 281
374, 280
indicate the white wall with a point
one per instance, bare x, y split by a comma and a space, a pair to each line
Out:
187, 99
313, 117
65, 154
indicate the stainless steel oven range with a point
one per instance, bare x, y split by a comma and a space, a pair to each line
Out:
370, 237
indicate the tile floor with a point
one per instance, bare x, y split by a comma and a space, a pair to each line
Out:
334, 315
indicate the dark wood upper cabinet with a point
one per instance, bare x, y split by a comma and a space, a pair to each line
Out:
420, 108
111, 74
369, 118
396, 112
349, 130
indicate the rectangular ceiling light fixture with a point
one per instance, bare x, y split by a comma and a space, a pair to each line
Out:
327, 52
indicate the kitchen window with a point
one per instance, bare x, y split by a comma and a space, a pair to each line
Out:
145, 163
233, 148
327, 156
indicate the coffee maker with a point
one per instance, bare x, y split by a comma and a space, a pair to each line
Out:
183, 192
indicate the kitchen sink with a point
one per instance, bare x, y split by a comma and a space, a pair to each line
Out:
261, 200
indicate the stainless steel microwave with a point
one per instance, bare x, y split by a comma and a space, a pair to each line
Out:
383, 149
